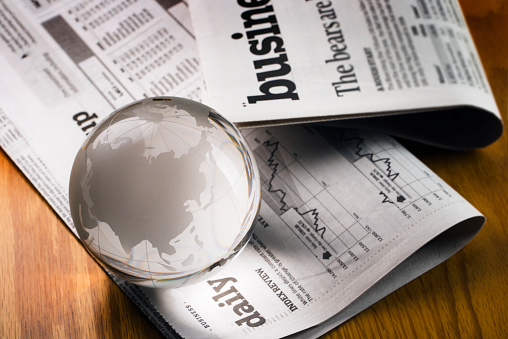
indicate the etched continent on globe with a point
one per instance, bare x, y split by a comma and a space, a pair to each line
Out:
163, 191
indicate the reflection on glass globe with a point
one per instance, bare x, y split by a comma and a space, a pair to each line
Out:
164, 191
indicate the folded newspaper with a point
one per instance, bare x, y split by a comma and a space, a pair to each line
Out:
279, 61
347, 216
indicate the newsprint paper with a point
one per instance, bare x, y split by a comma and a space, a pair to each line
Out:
279, 61
347, 216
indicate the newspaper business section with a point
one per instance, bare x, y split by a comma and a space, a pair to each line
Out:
274, 84
347, 81
264, 38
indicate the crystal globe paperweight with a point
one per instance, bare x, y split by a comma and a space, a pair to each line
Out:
164, 191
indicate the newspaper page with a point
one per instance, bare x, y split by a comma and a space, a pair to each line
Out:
280, 61
66, 65
74, 62
341, 210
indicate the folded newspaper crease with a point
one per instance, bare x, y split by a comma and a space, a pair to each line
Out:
348, 216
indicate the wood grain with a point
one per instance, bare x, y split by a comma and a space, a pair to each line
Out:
50, 286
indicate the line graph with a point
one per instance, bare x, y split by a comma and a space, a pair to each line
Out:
385, 198
274, 165
361, 150
334, 188
383, 154
302, 200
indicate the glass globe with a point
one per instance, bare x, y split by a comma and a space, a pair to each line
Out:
164, 191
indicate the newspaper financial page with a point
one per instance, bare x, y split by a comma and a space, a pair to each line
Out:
66, 65
72, 63
340, 209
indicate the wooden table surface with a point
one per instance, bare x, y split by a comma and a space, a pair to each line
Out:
51, 287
